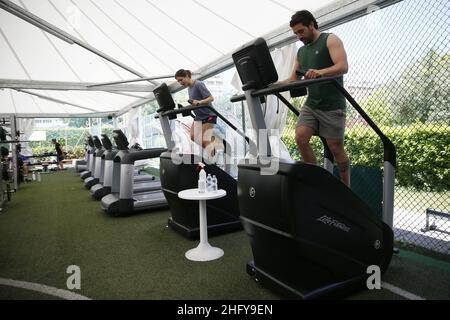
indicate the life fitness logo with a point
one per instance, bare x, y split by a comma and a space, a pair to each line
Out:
252, 192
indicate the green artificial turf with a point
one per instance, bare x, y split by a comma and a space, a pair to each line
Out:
55, 223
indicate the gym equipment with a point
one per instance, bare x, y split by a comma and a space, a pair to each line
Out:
436, 214
81, 165
223, 213
5, 179
98, 165
98, 190
125, 202
141, 183
311, 236
90, 159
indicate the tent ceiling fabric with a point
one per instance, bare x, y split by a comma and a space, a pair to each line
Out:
152, 37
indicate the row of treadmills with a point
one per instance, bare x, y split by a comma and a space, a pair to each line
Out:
311, 236
119, 186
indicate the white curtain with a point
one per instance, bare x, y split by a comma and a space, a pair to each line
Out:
25, 126
95, 127
275, 112
135, 133
134, 126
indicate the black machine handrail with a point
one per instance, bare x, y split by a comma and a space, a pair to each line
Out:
192, 108
130, 158
389, 148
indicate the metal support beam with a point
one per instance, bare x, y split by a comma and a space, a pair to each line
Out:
61, 85
133, 80
61, 115
56, 100
136, 104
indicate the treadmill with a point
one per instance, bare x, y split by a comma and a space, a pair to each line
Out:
311, 236
122, 201
100, 190
141, 182
90, 159
98, 165
81, 165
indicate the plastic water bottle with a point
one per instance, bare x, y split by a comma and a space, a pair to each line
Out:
39, 176
33, 176
209, 183
202, 179
214, 183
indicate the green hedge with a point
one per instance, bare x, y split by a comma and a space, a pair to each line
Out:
423, 153
71, 152
71, 137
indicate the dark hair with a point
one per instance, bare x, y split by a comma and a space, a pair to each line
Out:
183, 73
53, 140
304, 17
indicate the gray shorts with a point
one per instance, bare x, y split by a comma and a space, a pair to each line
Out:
327, 124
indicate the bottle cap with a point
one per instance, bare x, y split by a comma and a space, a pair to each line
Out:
200, 166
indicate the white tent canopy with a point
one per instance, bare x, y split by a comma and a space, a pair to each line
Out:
53, 51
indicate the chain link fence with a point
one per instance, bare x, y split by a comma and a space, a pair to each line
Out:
399, 60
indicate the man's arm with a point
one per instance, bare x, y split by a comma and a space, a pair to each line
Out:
293, 75
339, 57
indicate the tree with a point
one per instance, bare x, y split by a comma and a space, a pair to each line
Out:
421, 93
77, 122
377, 108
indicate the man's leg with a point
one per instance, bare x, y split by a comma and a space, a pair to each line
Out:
303, 135
342, 161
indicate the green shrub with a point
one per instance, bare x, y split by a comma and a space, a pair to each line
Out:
423, 153
68, 137
70, 152
423, 156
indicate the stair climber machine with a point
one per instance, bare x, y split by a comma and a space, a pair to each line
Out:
311, 236
179, 172
125, 202
141, 182
90, 159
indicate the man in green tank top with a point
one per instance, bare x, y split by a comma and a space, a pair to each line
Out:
323, 113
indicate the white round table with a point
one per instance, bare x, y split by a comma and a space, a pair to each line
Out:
204, 251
